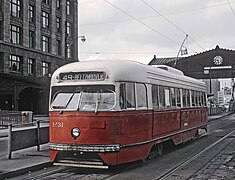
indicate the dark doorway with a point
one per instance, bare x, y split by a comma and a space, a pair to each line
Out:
27, 99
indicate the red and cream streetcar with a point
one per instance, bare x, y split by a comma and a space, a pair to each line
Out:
106, 113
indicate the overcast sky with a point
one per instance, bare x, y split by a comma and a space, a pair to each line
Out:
138, 29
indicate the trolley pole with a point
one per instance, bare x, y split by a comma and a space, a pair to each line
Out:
180, 50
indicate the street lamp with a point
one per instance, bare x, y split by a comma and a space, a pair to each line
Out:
83, 39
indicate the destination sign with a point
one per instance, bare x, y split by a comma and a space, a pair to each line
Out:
82, 76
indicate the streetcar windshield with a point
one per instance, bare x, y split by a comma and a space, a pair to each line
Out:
83, 98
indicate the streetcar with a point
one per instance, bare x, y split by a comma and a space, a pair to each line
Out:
106, 112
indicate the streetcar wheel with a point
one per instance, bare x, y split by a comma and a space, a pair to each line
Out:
197, 134
160, 149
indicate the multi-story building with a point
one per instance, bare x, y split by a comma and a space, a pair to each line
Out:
36, 37
213, 87
220, 97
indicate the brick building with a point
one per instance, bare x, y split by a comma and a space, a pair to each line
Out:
36, 37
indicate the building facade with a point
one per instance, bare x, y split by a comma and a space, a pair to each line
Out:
36, 37
210, 66
213, 87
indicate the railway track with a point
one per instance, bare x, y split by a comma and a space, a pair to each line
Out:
78, 173
198, 155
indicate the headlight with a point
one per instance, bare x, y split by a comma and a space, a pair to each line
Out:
75, 132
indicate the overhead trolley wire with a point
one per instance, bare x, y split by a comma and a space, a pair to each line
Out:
147, 17
171, 23
163, 35
231, 7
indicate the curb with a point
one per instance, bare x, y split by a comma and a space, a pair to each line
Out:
211, 120
17, 172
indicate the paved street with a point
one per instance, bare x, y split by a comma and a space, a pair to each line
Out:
209, 157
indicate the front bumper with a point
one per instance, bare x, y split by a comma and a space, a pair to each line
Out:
85, 148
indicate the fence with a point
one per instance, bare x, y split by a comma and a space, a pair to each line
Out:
27, 137
13, 118
214, 111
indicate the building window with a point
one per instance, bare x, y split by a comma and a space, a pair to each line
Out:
31, 39
31, 13
58, 47
15, 33
45, 20
58, 4
45, 43
45, 68
1, 30
15, 8
45, 2
68, 10
68, 49
58, 24
31, 66
15, 63
68, 28
1, 5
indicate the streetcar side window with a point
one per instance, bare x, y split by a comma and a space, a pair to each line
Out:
196, 98
173, 97
141, 94
200, 99
188, 98
123, 96
193, 98
155, 97
184, 97
204, 99
130, 95
167, 97
178, 98
161, 97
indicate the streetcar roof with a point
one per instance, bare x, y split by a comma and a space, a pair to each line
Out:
126, 70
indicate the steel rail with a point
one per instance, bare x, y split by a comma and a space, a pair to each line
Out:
194, 157
47, 174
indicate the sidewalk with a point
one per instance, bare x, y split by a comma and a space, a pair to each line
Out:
215, 117
24, 160
30, 159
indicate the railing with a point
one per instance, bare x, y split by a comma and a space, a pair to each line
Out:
214, 111
14, 117
10, 118
23, 137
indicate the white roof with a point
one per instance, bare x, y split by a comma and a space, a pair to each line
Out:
125, 70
